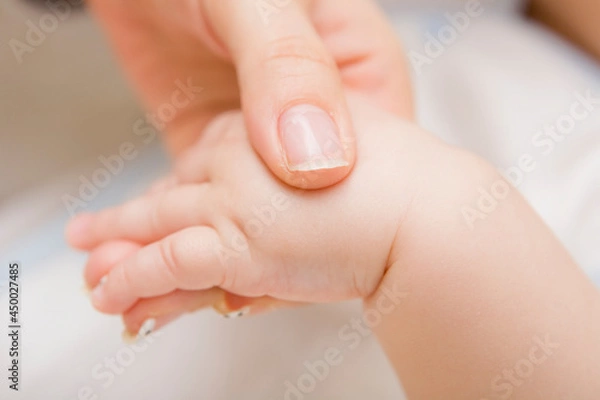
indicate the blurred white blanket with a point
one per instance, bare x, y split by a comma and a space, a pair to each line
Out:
495, 90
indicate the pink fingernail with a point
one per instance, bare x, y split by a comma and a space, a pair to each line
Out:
310, 139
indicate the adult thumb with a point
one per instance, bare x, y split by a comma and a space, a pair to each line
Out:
291, 90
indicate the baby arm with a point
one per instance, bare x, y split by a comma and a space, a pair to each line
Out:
494, 309
479, 300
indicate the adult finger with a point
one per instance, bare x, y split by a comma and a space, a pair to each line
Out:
292, 96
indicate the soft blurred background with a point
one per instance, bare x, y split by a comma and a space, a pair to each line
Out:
66, 104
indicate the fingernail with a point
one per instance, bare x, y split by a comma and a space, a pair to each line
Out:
149, 327
238, 314
221, 308
145, 330
310, 139
128, 337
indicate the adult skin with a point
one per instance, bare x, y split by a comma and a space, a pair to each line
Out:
545, 311
154, 44
275, 55
284, 62
266, 60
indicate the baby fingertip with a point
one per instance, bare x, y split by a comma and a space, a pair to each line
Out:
78, 229
147, 328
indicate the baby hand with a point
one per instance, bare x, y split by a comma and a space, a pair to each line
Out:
230, 224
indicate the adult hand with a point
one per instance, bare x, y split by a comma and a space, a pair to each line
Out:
285, 62
266, 56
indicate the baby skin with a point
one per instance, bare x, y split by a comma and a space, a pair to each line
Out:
473, 299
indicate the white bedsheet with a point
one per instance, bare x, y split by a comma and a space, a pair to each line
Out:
491, 91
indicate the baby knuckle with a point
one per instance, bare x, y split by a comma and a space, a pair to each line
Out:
185, 254
173, 257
